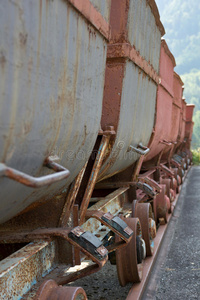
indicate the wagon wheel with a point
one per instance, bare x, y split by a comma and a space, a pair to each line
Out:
169, 193
181, 174
188, 161
143, 211
178, 179
174, 186
49, 290
160, 204
129, 259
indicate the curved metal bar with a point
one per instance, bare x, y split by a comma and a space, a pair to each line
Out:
152, 183
146, 188
140, 149
166, 170
166, 143
36, 182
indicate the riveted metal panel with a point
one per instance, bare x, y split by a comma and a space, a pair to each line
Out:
175, 121
189, 112
182, 122
52, 78
189, 124
178, 90
103, 7
164, 103
143, 32
177, 107
136, 118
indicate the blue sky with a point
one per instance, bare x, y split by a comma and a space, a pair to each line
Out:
182, 25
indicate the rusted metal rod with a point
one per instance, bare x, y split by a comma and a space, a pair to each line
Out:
36, 182
137, 168
93, 177
71, 197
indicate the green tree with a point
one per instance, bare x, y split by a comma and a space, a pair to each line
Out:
196, 131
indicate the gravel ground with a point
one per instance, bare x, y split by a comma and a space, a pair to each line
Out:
104, 285
178, 276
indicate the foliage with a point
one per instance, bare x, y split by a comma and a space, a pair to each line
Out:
192, 87
196, 131
192, 95
196, 156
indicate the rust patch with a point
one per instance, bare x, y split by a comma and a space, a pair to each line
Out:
2, 59
119, 19
92, 16
23, 38
112, 94
125, 50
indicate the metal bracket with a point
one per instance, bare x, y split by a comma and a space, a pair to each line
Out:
89, 242
152, 183
177, 158
90, 245
140, 149
35, 182
116, 225
175, 163
166, 170
146, 188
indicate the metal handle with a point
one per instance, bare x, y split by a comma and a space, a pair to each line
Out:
36, 182
140, 149
166, 142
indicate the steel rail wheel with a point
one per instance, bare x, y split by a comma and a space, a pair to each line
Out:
49, 290
181, 173
169, 192
161, 205
174, 186
178, 179
129, 259
143, 211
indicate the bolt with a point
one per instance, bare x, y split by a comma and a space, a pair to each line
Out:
110, 130
162, 221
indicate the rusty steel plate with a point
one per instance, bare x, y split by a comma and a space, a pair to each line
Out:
164, 102
130, 81
22, 269
189, 124
53, 56
176, 108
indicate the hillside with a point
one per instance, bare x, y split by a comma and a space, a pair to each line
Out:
181, 21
